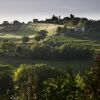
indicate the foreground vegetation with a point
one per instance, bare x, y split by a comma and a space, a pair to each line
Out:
42, 82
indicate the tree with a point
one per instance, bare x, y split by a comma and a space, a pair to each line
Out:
25, 80
19, 51
92, 81
25, 39
5, 23
37, 38
29, 80
63, 88
16, 22
55, 19
43, 34
8, 47
71, 16
59, 30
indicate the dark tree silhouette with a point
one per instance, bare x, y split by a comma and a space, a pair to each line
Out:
43, 34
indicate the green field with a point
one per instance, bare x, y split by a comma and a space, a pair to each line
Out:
77, 42
78, 65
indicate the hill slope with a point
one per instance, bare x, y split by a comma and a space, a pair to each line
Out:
27, 29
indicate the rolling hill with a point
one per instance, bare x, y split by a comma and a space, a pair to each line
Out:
26, 29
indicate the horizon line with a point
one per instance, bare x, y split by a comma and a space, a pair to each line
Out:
26, 20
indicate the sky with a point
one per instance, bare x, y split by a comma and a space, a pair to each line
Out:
26, 10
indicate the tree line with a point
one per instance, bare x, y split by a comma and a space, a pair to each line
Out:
45, 51
90, 25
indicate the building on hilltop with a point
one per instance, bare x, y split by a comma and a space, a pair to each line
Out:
35, 20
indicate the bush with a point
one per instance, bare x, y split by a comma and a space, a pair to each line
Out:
64, 52
29, 79
42, 82
92, 81
47, 52
64, 88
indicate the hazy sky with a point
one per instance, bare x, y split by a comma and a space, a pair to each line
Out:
25, 10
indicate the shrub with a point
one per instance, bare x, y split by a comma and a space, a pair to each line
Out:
29, 79
64, 88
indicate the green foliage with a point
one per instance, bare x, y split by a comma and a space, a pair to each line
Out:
43, 33
92, 80
25, 39
25, 82
63, 88
71, 52
80, 81
8, 47
46, 51
59, 30
29, 78
41, 52
37, 38
42, 82
64, 52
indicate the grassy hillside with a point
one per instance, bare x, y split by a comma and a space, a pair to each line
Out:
29, 29
15, 32
76, 41
51, 28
